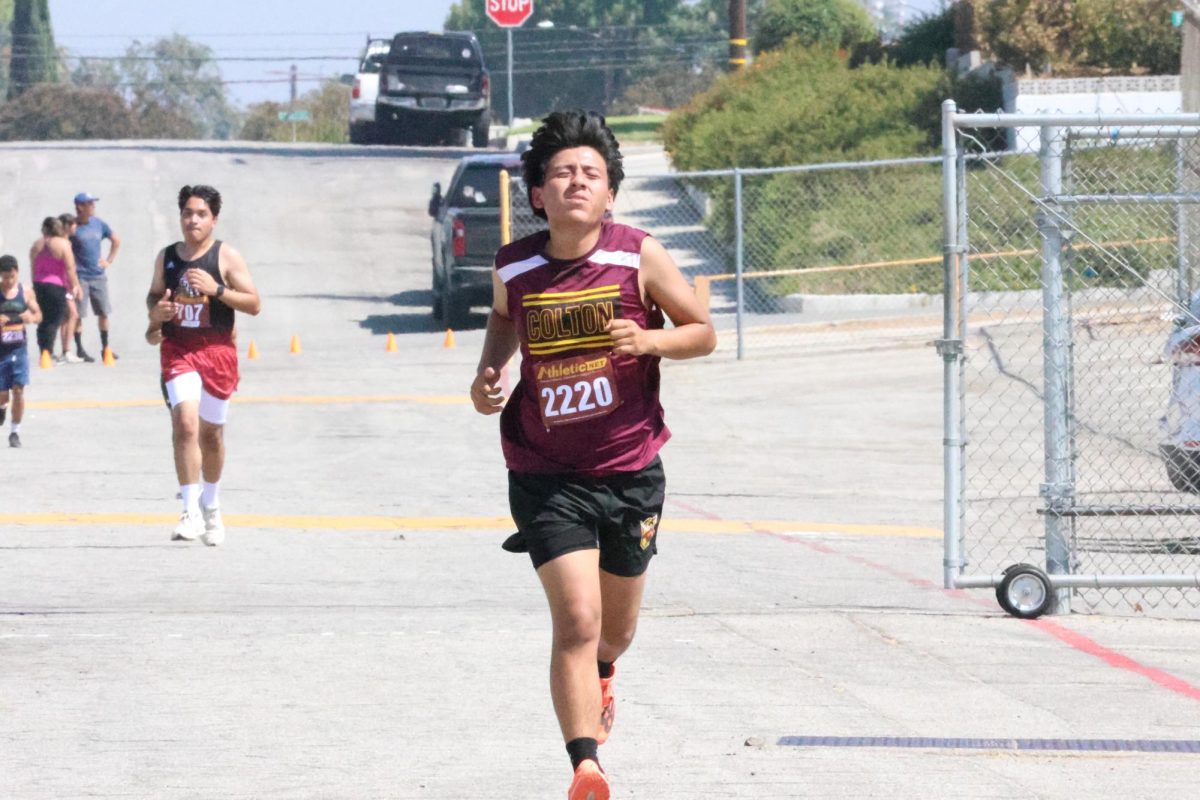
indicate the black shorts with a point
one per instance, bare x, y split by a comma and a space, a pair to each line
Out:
619, 514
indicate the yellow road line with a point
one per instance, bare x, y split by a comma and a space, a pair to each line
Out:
383, 523
428, 399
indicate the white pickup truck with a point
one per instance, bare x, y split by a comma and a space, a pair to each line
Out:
365, 90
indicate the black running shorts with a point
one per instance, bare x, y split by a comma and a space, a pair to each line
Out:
559, 514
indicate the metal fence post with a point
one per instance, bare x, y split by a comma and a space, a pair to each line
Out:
1058, 490
1183, 283
739, 254
950, 348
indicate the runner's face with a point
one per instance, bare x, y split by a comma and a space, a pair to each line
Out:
576, 187
8, 280
196, 220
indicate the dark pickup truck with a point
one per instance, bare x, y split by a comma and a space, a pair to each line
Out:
466, 233
432, 87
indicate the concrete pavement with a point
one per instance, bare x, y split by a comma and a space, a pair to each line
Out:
362, 635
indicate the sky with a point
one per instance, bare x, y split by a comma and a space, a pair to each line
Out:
327, 36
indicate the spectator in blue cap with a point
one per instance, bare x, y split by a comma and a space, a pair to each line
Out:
92, 267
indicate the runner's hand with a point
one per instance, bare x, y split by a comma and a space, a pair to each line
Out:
154, 334
485, 394
164, 309
201, 281
628, 337
77, 291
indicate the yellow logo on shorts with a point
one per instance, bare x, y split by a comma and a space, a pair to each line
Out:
649, 527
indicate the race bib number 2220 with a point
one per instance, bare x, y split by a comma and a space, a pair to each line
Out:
576, 389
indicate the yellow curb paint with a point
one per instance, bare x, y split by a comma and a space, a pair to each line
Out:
381, 523
433, 399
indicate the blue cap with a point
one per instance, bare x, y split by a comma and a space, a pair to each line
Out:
84, 197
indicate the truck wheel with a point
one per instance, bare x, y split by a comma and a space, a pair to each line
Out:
455, 308
480, 131
361, 133
439, 303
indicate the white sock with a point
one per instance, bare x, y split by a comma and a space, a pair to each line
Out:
16, 427
190, 492
208, 494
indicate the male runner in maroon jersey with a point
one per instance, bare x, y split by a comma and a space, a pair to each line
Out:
198, 284
581, 432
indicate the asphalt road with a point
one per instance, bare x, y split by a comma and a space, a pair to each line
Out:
362, 635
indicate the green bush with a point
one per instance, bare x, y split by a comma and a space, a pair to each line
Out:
798, 106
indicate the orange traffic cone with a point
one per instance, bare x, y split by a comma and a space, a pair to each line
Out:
46, 361
449, 342
295, 344
108, 359
391, 343
252, 352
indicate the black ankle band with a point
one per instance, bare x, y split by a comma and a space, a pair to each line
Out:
582, 749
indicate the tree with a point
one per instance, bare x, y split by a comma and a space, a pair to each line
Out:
926, 40
34, 59
830, 23
1118, 34
61, 111
174, 80
6, 16
1034, 33
597, 48
326, 106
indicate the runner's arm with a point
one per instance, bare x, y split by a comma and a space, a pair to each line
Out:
240, 292
665, 286
159, 307
499, 344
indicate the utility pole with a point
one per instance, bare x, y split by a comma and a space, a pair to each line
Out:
1189, 60
1188, 163
292, 100
737, 34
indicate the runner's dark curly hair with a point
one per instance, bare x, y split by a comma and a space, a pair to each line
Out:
206, 193
563, 130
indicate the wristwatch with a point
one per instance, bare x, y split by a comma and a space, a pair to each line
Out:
220, 289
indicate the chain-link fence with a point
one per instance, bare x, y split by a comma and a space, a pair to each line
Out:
1072, 353
833, 254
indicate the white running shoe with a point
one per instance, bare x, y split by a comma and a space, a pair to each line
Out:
190, 526
70, 358
214, 528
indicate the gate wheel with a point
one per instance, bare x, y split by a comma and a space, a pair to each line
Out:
1025, 591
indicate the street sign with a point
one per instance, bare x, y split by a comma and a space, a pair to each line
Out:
294, 116
509, 13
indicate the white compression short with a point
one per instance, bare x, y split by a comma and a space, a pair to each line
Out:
189, 388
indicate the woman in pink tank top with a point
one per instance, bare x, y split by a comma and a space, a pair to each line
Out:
53, 274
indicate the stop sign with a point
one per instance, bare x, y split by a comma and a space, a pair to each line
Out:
509, 13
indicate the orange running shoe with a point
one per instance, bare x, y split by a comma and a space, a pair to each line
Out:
590, 782
608, 707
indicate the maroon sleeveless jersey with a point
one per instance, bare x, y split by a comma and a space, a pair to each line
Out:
579, 408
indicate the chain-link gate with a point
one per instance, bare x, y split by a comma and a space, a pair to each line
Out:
1071, 346
828, 255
